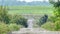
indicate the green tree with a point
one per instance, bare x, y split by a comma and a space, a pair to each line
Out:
56, 13
56, 3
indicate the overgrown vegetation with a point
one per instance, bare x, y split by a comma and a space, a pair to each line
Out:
4, 29
10, 22
6, 18
43, 20
49, 26
55, 20
20, 20
3, 15
14, 27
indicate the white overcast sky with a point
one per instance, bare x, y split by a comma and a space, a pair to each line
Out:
32, 0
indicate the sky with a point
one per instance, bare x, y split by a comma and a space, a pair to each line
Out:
33, 0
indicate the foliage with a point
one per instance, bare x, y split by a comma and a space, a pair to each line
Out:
52, 1
52, 26
57, 12
18, 19
3, 14
43, 20
4, 29
14, 27
49, 26
52, 19
57, 24
56, 21
56, 17
56, 3
6, 18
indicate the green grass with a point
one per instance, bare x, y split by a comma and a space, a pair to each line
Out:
30, 10
49, 26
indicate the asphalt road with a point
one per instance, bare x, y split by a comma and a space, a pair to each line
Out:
34, 31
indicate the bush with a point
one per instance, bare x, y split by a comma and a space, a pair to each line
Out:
57, 12
18, 19
43, 20
4, 29
52, 19
3, 14
14, 27
49, 26
55, 21
57, 25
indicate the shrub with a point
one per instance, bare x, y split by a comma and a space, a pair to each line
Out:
43, 20
3, 14
4, 29
49, 26
14, 27
57, 25
18, 19
52, 19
